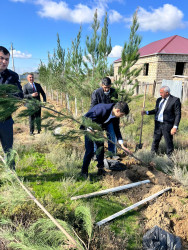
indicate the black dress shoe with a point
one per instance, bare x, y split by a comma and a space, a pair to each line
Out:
31, 133
101, 171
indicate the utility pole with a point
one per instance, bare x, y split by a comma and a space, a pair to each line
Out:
12, 57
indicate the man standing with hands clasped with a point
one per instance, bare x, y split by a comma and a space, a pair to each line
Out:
167, 117
33, 90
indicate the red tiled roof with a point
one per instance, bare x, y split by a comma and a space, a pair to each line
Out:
170, 45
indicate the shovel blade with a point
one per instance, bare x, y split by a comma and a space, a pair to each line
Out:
138, 146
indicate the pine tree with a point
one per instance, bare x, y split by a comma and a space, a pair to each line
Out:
74, 72
91, 52
104, 48
52, 75
77, 54
130, 55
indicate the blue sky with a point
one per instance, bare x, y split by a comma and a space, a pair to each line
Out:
32, 25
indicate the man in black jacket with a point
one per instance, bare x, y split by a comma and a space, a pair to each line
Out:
167, 117
8, 77
103, 114
33, 90
106, 94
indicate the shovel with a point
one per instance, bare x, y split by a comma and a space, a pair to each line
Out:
139, 146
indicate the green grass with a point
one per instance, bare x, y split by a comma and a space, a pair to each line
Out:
51, 185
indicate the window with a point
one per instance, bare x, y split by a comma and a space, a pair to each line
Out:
179, 68
145, 69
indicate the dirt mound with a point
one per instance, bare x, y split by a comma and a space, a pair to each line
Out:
168, 211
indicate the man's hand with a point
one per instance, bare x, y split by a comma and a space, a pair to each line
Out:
173, 131
125, 148
92, 131
143, 112
35, 94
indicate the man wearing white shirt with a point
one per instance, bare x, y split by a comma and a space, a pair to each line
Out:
102, 114
167, 117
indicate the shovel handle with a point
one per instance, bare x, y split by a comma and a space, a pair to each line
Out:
143, 115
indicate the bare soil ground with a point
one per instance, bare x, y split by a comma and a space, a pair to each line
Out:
169, 211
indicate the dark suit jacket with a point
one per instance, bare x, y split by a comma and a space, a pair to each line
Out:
28, 91
100, 113
98, 96
172, 111
10, 77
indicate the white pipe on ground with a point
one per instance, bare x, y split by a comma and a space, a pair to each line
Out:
131, 207
110, 190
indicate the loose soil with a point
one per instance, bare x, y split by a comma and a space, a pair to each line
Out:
169, 211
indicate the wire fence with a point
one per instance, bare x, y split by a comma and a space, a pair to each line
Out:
78, 106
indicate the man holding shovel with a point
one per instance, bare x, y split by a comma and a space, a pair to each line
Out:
102, 114
167, 117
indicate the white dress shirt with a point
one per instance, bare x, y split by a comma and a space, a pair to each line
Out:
160, 116
109, 118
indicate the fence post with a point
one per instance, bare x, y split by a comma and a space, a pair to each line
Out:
57, 97
137, 89
76, 111
49, 93
61, 99
82, 106
52, 94
154, 86
68, 105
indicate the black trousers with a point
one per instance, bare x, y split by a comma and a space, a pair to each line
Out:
6, 138
6, 135
89, 147
163, 129
35, 117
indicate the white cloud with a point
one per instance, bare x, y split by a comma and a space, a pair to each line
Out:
61, 11
165, 18
116, 51
22, 1
19, 54
114, 16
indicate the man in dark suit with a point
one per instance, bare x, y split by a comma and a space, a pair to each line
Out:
34, 90
7, 76
102, 114
106, 94
167, 117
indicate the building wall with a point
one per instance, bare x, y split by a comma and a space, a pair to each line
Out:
116, 67
167, 66
152, 71
161, 66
